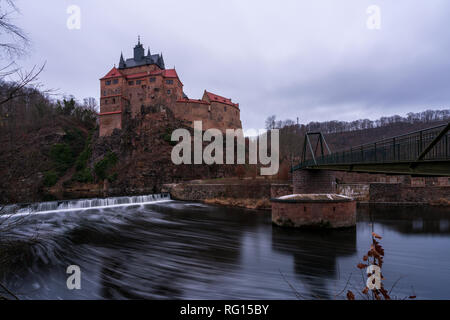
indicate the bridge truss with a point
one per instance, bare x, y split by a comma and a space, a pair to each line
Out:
425, 152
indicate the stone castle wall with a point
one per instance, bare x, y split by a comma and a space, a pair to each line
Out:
148, 85
213, 115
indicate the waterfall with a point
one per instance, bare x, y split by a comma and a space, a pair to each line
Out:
84, 204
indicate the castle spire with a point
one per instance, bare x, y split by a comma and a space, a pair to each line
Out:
122, 61
148, 52
139, 50
161, 61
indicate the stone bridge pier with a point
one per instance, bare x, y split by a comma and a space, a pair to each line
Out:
314, 181
314, 203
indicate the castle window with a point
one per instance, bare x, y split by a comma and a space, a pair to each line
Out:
156, 89
115, 81
225, 109
114, 100
138, 81
130, 83
169, 91
108, 82
104, 92
152, 79
170, 81
106, 101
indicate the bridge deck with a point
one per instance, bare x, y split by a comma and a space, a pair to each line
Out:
423, 152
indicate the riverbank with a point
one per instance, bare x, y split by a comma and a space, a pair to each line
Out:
241, 193
256, 193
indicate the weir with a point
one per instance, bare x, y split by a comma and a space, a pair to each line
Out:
84, 204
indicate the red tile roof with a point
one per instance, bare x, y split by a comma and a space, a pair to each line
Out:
168, 73
113, 73
215, 97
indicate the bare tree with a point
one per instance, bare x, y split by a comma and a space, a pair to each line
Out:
15, 40
270, 122
14, 45
90, 103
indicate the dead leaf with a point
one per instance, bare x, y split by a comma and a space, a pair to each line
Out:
350, 295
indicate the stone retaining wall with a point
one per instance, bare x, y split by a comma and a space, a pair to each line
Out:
199, 192
397, 192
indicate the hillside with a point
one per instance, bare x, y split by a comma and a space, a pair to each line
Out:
52, 150
343, 140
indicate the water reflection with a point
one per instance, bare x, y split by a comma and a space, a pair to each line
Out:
315, 254
189, 250
408, 219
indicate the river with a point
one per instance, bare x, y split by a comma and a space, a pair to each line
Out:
170, 249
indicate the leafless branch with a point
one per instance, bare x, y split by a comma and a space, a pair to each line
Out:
8, 292
18, 38
24, 79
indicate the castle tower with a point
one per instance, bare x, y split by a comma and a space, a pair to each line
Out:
138, 51
143, 80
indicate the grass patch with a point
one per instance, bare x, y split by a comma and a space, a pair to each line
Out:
102, 167
50, 178
63, 155
83, 173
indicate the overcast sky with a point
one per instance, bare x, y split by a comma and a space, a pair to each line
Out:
316, 60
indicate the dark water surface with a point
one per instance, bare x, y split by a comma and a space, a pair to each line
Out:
194, 251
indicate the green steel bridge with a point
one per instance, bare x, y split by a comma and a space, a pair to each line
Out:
424, 153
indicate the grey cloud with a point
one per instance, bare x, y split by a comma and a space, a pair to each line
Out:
311, 59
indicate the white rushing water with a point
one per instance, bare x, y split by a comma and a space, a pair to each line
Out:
83, 204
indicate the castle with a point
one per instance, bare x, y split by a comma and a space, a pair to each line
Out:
143, 80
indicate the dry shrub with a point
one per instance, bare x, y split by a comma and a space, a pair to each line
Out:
442, 202
240, 202
374, 257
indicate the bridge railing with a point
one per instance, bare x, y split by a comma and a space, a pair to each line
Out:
403, 148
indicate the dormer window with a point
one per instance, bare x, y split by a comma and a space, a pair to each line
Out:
130, 83
115, 81
108, 82
169, 81
138, 81
152, 79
